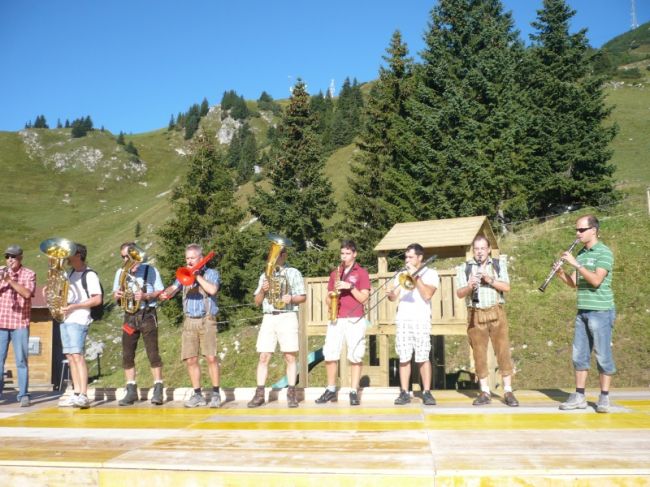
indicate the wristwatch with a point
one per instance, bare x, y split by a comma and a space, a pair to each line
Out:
351, 286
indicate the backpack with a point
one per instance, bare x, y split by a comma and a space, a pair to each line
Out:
96, 312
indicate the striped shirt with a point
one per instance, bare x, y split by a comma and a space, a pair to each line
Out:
14, 309
296, 287
599, 298
487, 295
194, 301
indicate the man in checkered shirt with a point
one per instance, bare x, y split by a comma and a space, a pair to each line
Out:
17, 285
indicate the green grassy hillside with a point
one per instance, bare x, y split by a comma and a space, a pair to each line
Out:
102, 206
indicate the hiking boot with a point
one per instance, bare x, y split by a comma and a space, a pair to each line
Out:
603, 404
82, 402
328, 396
131, 395
428, 399
510, 399
482, 399
292, 401
25, 402
354, 398
403, 398
195, 400
258, 398
157, 396
68, 402
575, 401
215, 400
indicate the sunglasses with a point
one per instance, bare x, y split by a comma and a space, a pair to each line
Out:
582, 230
11, 256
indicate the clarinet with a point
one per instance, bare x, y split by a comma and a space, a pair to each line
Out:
556, 266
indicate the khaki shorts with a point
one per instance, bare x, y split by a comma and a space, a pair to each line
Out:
199, 336
281, 328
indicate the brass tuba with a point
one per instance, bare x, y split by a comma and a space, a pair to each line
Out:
278, 285
57, 251
128, 284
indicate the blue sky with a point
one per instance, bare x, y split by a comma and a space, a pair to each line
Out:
131, 64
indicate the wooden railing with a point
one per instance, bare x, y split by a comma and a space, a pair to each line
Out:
448, 317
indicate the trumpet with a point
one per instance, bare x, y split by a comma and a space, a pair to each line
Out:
128, 284
57, 251
556, 266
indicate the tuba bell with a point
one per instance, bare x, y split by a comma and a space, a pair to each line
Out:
278, 285
128, 284
57, 251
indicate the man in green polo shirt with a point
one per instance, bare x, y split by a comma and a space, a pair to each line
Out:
596, 312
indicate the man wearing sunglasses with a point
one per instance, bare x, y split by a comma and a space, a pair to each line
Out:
17, 285
596, 312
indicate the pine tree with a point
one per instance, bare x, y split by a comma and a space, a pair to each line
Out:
67, 123
378, 187
172, 124
58, 123
191, 125
464, 119
205, 212
300, 198
205, 108
120, 138
346, 118
567, 136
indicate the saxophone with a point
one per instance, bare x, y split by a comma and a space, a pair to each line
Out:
335, 299
57, 251
128, 284
278, 285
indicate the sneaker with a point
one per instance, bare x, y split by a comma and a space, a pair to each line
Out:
354, 398
68, 401
215, 400
82, 402
292, 399
575, 401
328, 396
195, 400
25, 402
603, 404
428, 399
157, 396
403, 398
258, 398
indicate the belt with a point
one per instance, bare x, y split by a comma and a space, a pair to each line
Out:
199, 316
275, 312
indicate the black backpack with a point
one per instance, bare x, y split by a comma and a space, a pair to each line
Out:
96, 312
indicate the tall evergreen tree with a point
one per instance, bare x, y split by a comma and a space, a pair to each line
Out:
346, 118
58, 123
300, 198
378, 187
205, 108
567, 138
205, 212
464, 117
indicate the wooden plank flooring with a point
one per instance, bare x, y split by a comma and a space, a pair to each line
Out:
374, 444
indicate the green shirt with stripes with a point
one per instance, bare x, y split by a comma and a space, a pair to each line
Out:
590, 297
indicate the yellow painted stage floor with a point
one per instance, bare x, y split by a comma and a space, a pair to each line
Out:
374, 444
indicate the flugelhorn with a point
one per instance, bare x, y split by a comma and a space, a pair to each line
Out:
128, 284
57, 251
187, 275
556, 266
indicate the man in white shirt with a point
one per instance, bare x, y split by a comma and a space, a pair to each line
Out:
74, 329
413, 323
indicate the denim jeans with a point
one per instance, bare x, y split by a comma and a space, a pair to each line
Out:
593, 331
20, 340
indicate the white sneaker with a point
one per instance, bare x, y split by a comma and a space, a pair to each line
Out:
68, 401
82, 402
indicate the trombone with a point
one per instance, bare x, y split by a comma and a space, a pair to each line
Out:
405, 280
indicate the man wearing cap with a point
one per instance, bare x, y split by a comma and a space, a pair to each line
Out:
17, 285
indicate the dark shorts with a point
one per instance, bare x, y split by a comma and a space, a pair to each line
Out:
145, 323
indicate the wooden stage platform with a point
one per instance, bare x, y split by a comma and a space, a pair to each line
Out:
374, 444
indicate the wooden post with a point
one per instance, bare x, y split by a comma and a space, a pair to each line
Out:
303, 340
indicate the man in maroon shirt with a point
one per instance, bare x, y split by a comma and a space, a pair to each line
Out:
352, 283
17, 285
